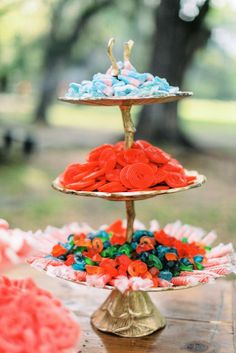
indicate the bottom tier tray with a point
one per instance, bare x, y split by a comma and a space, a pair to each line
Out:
129, 314
128, 311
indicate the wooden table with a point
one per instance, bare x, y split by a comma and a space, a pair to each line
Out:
200, 319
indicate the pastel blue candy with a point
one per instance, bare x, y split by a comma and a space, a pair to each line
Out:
100, 86
124, 90
118, 84
75, 86
148, 84
140, 77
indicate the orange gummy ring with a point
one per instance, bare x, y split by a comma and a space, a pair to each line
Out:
107, 159
156, 155
94, 174
95, 186
136, 268
160, 176
113, 175
80, 185
173, 166
95, 153
147, 240
94, 270
170, 256
113, 186
70, 172
123, 177
134, 156
176, 180
97, 244
140, 175
120, 159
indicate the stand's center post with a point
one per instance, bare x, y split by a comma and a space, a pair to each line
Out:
129, 130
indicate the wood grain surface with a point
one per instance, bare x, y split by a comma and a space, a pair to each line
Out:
200, 319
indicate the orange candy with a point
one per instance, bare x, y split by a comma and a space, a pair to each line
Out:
97, 244
70, 260
112, 168
94, 270
116, 227
113, 186
58, 250
176, 180
124, 179
96, 152
156, 155
135, 156
170, 256
137, 268
147, 240
81, 240
107, 159
140, 175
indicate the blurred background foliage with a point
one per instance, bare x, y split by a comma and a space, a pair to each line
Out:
44, 45
25, 25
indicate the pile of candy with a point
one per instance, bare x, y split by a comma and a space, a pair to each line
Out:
177, 255
128, 83
32, 320
13, 245
110, 168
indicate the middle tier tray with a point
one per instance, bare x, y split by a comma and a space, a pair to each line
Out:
130, 196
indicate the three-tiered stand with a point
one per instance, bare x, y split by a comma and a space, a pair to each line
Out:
131, 314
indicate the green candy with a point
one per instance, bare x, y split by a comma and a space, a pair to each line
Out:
184, 240
103, 239
125, 249
79, 249
199, 266
88, 261
183, 267
208, 248
110, 252
154, 261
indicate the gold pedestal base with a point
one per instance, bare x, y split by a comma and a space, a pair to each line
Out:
132, 314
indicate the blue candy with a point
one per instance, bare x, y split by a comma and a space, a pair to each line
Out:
198, 258
138, 234
78, 267
167, 275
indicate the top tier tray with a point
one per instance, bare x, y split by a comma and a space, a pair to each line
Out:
122, 101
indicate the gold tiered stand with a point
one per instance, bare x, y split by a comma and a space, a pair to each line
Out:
131, 314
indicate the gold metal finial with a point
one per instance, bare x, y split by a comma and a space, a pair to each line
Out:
127, 49
115, 69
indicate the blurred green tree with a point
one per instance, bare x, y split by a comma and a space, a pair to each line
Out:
59, 46
180, 30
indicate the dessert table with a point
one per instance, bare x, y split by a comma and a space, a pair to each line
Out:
200, 319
